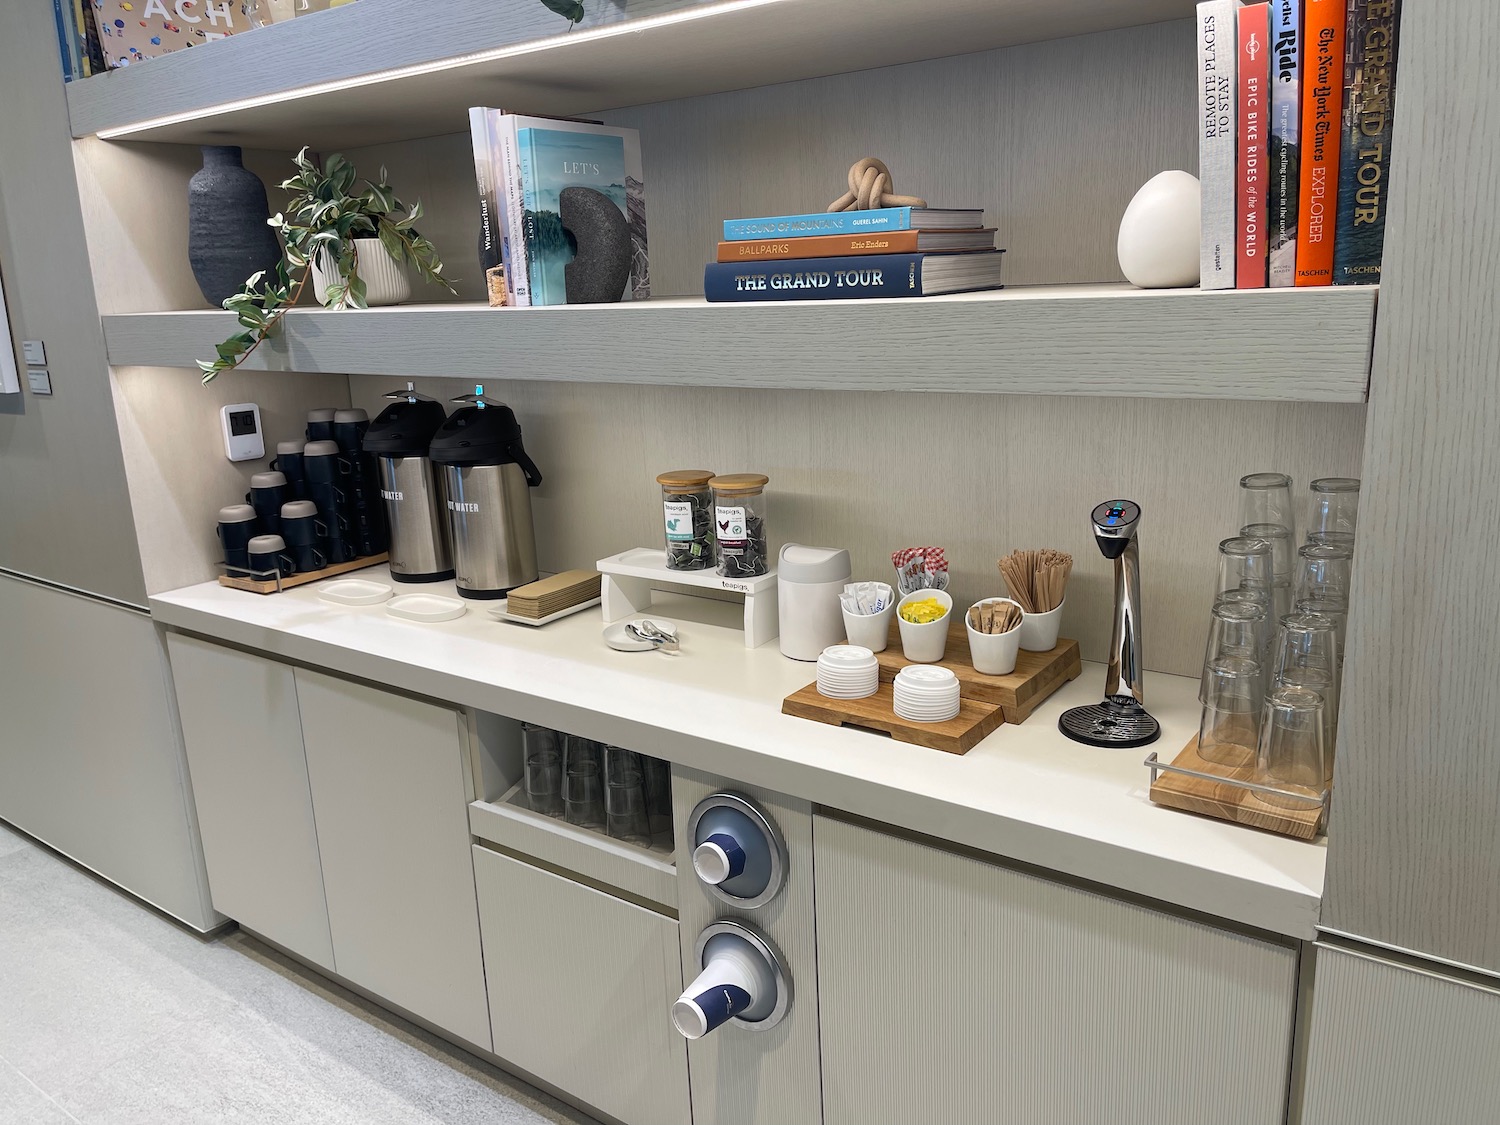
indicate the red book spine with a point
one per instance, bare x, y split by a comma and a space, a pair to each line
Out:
1322, 105
1254, 167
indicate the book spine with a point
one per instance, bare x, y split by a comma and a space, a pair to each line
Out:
1250, 259
829, 279
832, 246
1286, 82
1323, 77
63, 40
1365, 162
490, 256
515, 212
538, 286
806, 226
1218, 54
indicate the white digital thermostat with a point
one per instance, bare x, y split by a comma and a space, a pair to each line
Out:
243, 440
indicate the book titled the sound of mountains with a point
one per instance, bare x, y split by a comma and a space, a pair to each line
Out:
852, 222
1365, 162
833, 279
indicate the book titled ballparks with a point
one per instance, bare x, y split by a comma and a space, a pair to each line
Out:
1286, 107
836, 279
1218, 105
842, 245
1365, 163
852, 222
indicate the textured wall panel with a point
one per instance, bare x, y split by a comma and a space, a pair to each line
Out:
951, 990
1390, 1045
1415, 832
742, 1077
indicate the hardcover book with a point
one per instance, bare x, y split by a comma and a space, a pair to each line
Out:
1250, 260
494, 258
1218, 106
842, 245
133, 31
1365, 161
852, 222
513, 207
576, 218
1323, 87
1286, 106
834, 279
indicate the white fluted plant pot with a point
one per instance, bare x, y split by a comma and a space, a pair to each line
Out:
385, 278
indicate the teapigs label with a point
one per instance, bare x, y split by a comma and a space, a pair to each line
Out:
729, 525
679, 517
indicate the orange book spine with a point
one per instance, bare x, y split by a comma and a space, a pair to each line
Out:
1322, 105
820, 246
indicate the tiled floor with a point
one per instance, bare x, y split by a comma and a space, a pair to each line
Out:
109, 1013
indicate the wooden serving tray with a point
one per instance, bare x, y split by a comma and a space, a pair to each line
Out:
1227, 801
268, 586
975, 720
1037, 674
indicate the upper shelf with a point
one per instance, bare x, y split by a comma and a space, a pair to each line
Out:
378, 71
1308, 345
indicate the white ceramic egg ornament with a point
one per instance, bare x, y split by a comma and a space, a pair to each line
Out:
1160, 232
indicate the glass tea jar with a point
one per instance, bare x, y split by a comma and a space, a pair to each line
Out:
687, 504
740, 524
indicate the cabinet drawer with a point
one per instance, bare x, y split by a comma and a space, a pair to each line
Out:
580, 989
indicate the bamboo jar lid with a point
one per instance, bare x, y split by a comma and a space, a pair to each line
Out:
739, 484
685, 478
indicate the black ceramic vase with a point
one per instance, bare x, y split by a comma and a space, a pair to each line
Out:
228, 238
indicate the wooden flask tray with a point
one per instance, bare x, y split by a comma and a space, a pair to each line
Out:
1230, 799
975, 720
271, 586
1017, 694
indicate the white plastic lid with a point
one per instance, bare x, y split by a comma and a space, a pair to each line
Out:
689, 1019
711, 864
813, 564
268, 480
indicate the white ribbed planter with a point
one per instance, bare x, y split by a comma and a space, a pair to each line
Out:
385, 280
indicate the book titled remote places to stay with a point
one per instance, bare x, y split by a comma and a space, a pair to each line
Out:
834, 279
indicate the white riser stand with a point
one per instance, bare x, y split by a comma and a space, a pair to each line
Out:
630, 576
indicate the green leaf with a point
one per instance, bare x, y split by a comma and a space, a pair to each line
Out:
357, 292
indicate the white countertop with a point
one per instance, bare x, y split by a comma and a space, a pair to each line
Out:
1026, 792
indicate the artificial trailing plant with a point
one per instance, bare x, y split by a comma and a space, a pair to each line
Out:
323, 218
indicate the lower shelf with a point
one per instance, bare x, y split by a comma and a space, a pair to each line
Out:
643, 873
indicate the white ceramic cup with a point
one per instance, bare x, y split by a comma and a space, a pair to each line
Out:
869, 630
925, 642
994, 654
1039, 630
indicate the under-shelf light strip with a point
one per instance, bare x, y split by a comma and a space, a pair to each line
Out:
535, 46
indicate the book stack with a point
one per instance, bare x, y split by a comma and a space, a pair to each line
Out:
884, 252
1296, 100
562, 210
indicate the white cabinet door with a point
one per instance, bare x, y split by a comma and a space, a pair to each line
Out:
581, 986
244, 747
1390, 1045
391, 804
952, 990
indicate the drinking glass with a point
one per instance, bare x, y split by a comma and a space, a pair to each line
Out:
1267, 498
1307, 656
1291, 750
659, 795
1245, 564
1233, 691
1264, 623
1283, 557
625, 796
1334, 509
1324, 571
1337, 610
543, 765
1236, 628
583, 783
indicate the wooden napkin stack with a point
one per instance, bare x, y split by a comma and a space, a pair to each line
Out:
553, 595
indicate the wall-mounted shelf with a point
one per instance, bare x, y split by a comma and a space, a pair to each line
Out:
371, 72
1305, 345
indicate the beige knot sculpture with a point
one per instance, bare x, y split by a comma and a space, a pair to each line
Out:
870, 186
